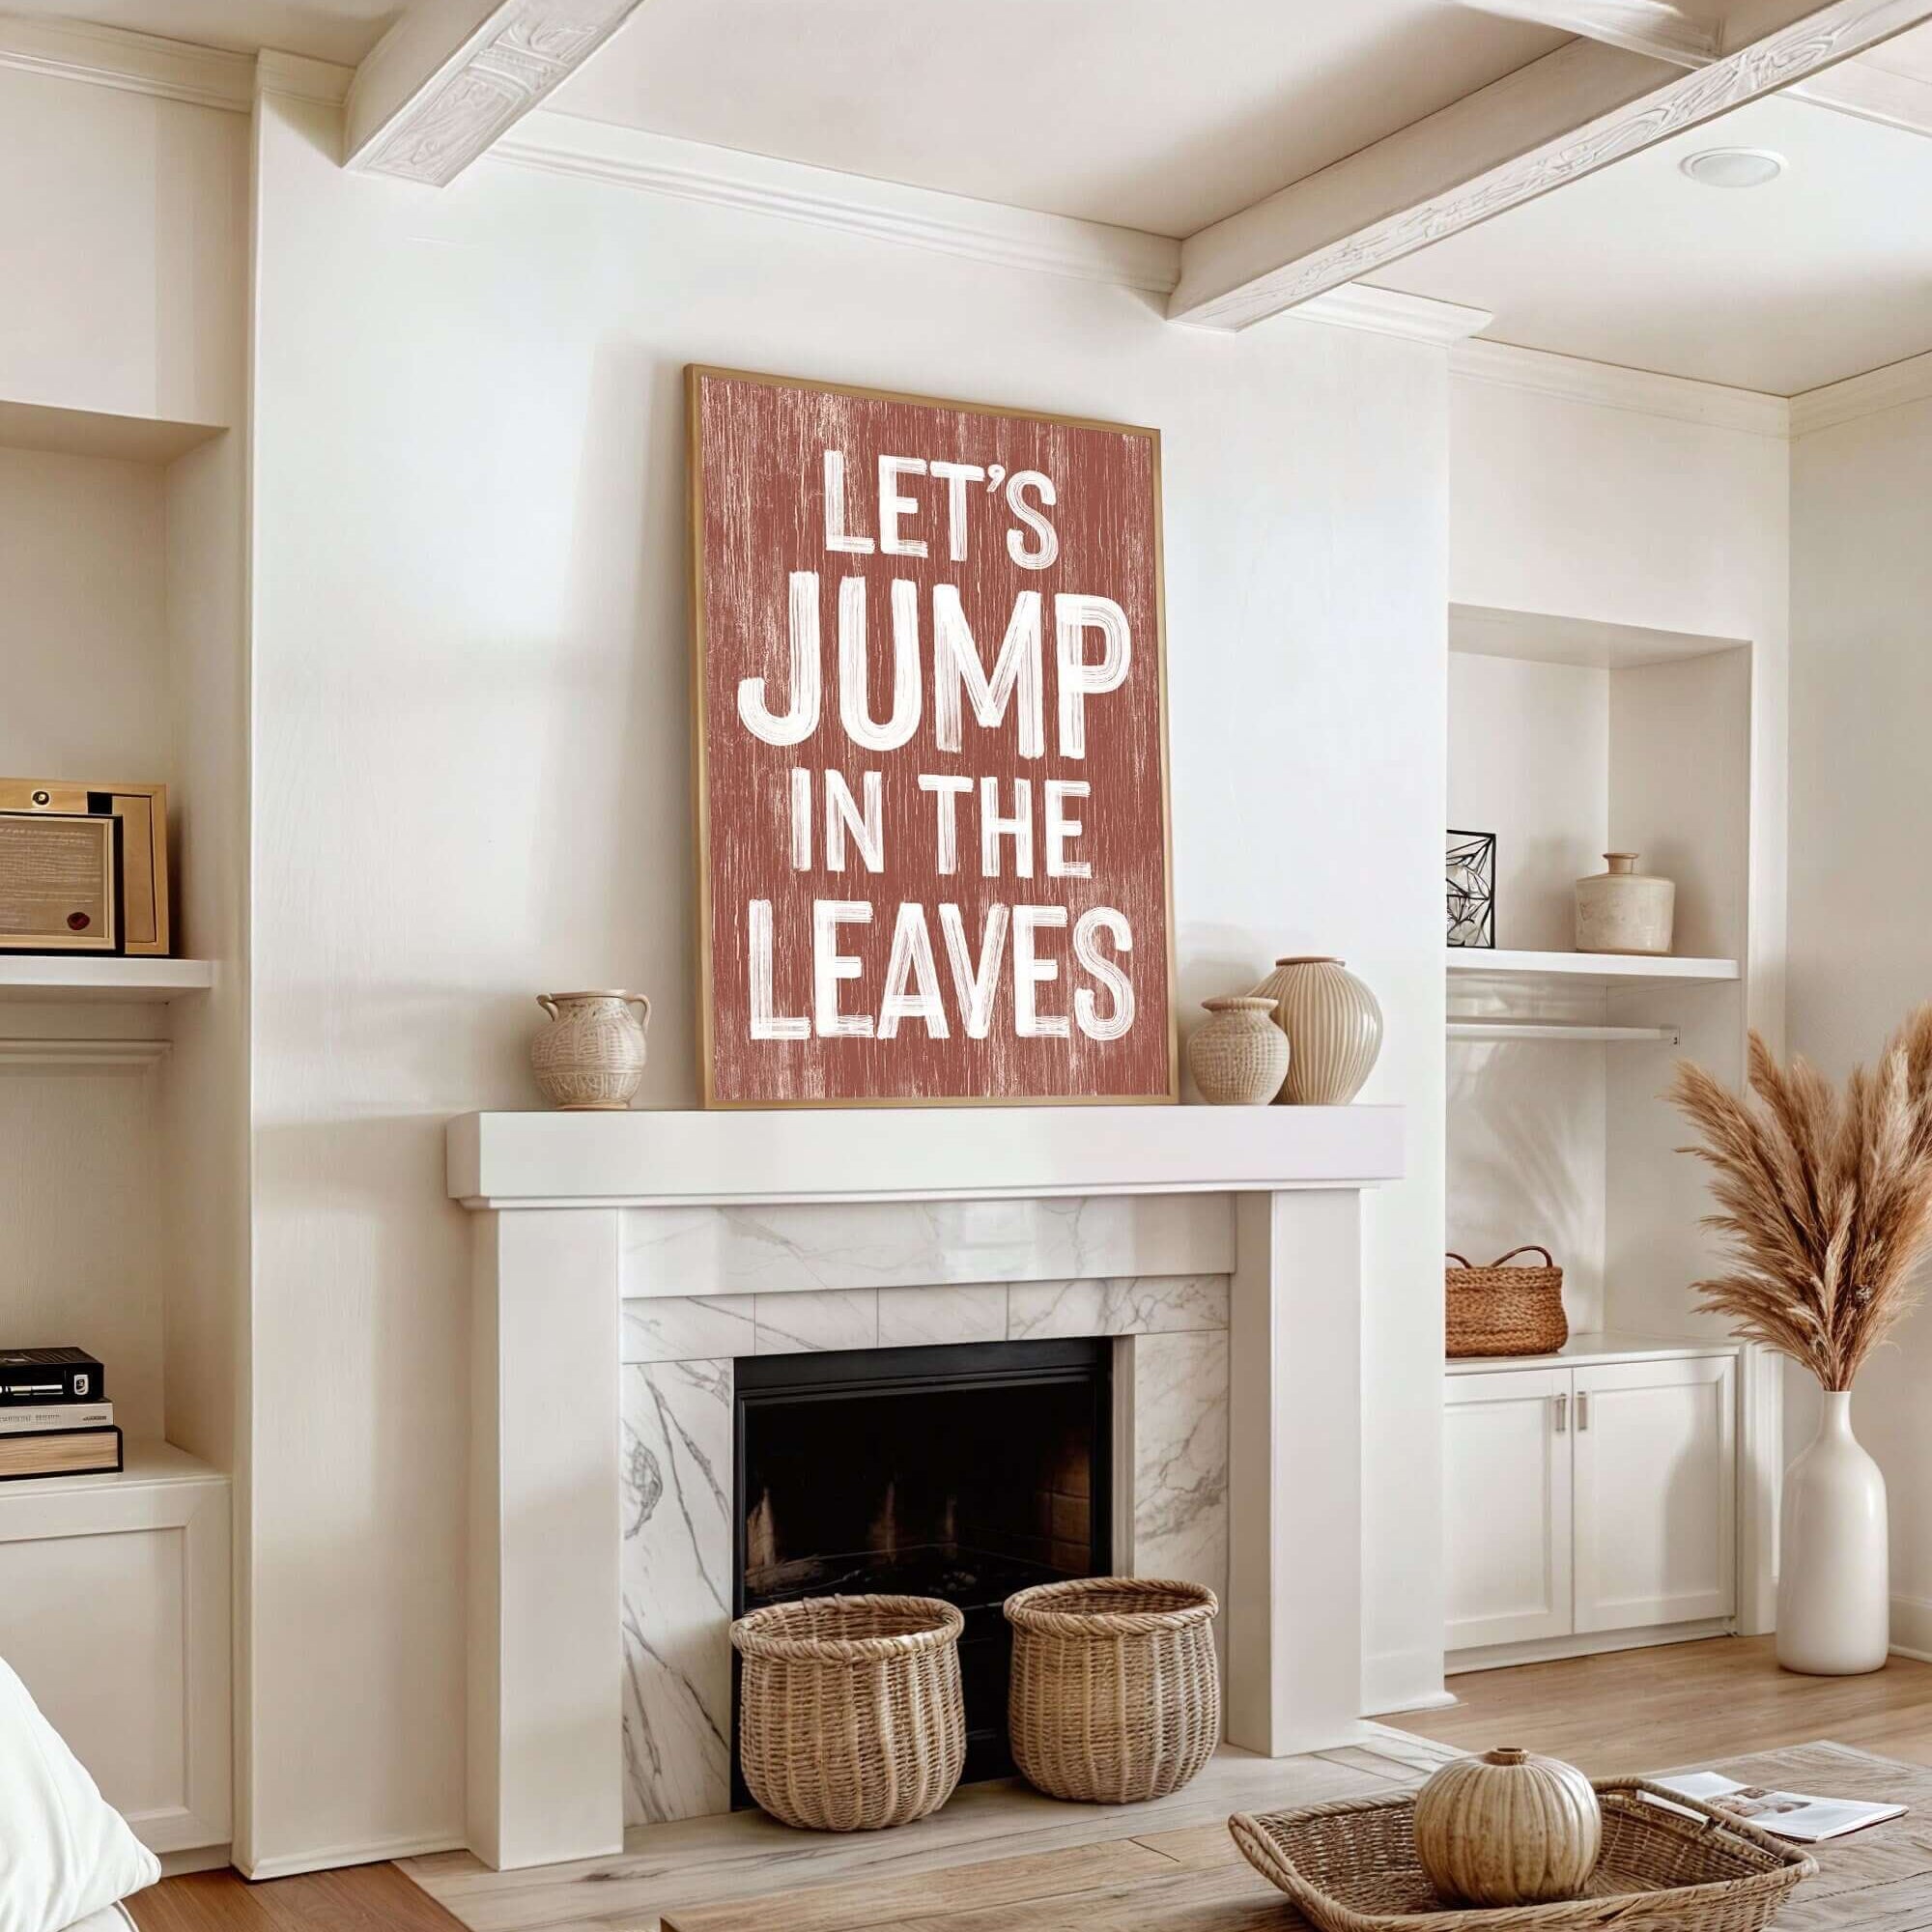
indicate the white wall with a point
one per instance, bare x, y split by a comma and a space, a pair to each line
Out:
124, 217
1860, 929
123, 231
470, 704
1529, 758
1580, 507
1587, 510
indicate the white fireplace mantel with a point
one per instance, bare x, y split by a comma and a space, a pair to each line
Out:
554, 1193
912, 1153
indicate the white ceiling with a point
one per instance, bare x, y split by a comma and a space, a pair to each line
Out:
1165, 118
1148, 113
1824, 273
330, 30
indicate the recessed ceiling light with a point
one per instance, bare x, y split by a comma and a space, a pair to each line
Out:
1733, 167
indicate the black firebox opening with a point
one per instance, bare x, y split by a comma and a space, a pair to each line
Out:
964, 1472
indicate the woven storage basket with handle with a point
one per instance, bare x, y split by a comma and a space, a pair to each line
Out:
1114, 1696
1500, 1310
1351, 1866
849, 1715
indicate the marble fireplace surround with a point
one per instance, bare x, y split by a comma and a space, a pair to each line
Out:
1220, 1247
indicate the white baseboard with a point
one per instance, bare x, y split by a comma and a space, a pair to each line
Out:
1552, 1650
1438, 1700
1912, 1628
1403, 1680
332, 1857
203, 1857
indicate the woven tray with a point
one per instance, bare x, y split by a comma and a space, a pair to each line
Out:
1352, 1867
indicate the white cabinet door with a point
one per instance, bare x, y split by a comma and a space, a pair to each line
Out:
114, 1611
1506, 1485
1655, 1492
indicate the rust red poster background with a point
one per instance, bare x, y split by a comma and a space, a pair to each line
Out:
931, 751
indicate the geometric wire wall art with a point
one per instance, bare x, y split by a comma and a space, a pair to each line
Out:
1472, 889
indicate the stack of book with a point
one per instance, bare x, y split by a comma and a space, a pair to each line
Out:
55, 1418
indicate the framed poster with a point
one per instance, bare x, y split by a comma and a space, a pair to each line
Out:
931, 750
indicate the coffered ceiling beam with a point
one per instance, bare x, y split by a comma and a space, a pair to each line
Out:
1651, 27
1553, 121
1862, 88
451, 76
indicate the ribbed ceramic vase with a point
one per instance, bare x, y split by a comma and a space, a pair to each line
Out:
590, 1058
1834, 1578
1334, 1030
1239, 1057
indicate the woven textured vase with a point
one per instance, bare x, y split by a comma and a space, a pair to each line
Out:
1114, 1696
1334, 1028
590, 1058
849, 1717
1241, 1057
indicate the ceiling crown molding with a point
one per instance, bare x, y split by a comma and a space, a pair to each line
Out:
1869, 395
304, 79
134, 63
1574, 380
1391, 312
915, 217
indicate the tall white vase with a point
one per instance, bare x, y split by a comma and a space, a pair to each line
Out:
1834, 1583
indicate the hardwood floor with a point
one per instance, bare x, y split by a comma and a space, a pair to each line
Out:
360, 1898
1643, 1709
1633, 1710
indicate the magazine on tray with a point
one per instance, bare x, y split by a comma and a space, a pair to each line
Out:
1785, 1814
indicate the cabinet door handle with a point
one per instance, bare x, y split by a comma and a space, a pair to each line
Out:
1562, 1413
1582, 1409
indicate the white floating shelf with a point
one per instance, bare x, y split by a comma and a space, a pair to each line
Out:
67, 431
1514, 1029
144, 1464
108, 1053
1600, 1347
126, 981
1583, 969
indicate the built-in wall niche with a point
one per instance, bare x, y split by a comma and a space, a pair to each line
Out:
124, 1095
1569, 738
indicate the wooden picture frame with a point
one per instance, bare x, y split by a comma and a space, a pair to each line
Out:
60, 882
143, 810
766, 507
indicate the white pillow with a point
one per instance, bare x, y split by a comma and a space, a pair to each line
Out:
65, 1852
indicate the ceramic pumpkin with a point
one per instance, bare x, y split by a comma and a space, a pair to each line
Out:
1508, 1828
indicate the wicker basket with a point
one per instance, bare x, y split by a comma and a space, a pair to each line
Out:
1352, 1867
1113, 1695
850, 1716
1500, 1310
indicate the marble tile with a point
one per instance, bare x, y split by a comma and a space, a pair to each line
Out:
789, 1324
912, 1318
687, 1328
1121, 1305
676, 1588
774, 1250
1180, 1458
